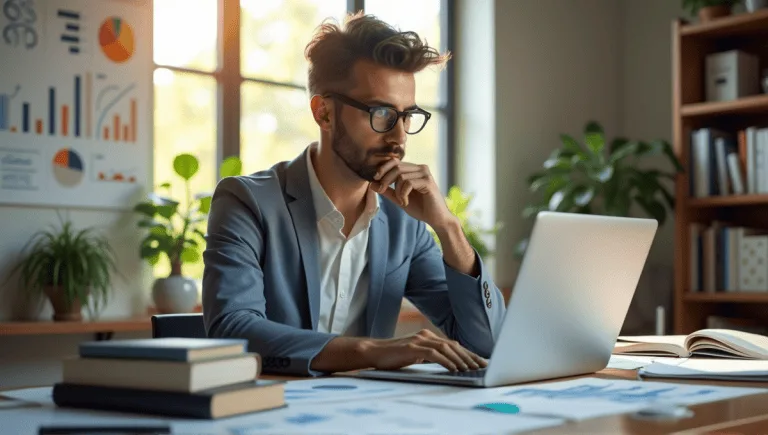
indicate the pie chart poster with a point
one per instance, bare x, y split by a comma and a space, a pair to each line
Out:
75, 102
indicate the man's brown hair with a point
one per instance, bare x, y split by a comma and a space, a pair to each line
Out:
333, 51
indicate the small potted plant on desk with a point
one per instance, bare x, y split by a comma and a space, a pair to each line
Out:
708, 10
73, 268
177, 233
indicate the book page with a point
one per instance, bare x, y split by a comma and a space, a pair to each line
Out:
752, 345
677, 340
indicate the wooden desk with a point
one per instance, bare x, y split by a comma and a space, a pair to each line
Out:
743, 415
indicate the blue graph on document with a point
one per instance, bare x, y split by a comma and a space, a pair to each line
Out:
635, 394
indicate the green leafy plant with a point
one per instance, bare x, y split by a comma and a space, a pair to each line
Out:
458, 204
597, 179
175, 231
693, 6
78, 262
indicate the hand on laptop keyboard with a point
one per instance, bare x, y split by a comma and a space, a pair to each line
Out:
395, 353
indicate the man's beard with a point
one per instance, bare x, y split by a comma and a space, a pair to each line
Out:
355, 157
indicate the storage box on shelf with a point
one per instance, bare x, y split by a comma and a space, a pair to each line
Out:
722, 199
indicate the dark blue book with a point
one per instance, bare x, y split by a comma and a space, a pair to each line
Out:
166, 349
235, 399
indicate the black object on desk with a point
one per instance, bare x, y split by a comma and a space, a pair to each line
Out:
104, 430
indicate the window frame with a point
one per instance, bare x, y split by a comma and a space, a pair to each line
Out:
229, 81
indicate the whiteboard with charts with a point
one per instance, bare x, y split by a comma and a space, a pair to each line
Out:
75, 102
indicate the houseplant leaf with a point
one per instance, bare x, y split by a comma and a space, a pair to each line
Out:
231, 166
594, 138
186, 166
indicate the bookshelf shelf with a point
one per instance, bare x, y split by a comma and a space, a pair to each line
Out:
736, 25
728, 297
756, 104
728, 201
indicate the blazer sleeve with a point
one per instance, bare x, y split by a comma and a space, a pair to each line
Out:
467, 309
233, 286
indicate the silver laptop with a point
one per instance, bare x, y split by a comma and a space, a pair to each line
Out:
569, 302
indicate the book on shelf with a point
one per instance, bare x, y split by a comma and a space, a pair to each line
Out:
727, 258
720, 343
230, 400
723, 163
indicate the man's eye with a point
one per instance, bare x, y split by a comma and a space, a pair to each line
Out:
383, 113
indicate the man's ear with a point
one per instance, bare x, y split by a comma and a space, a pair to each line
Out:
321, 111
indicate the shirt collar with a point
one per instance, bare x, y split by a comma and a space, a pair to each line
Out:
324, 207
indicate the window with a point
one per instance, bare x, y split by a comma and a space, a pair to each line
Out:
231, 81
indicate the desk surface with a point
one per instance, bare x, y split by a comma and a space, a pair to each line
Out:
743, 415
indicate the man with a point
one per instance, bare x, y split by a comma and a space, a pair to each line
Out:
310, 259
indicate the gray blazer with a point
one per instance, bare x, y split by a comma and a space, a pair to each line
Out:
261, 278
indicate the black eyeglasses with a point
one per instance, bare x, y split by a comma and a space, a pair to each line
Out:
384, 118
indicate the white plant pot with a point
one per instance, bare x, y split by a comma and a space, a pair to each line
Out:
753, 5
175, 294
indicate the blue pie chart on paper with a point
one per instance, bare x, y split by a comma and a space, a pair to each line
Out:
502, 408
335, 387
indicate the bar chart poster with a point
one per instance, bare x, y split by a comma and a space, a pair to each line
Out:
75, 102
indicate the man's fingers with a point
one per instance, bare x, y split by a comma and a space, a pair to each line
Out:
465, 355
403, 190
435, 356
453, 353
385, 167
391, 175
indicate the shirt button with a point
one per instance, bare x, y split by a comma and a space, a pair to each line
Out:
343, 295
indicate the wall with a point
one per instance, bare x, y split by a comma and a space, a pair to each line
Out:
558, 65
33, 360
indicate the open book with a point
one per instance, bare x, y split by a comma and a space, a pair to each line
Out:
723, 343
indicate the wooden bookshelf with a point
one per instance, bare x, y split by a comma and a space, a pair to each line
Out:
691, 44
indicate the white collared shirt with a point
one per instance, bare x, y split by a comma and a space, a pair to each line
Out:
344, 276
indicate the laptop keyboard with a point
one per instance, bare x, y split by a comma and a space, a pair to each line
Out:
467, 374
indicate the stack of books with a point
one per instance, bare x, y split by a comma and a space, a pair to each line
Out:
184, 377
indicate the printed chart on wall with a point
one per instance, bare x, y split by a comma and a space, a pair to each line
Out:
75, 102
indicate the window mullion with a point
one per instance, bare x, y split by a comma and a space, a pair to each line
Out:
228, 121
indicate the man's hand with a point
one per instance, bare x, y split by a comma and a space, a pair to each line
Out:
415, 191
421, 347
352, 353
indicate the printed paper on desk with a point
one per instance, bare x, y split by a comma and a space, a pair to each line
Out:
379, 416
41, 395
327, 389
581, 399
705, 368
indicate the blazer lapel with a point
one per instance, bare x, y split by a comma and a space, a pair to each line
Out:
304, 219
378, 250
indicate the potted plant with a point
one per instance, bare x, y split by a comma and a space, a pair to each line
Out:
458, 204
176, 233
73, 268
593, 178
708, 10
